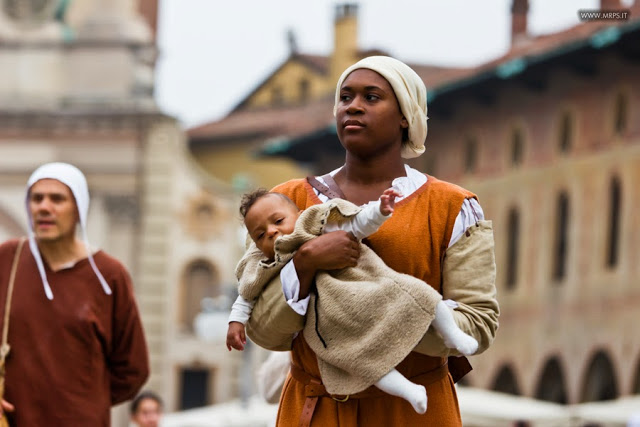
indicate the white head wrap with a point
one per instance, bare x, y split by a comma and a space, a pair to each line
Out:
73, 178
410, 92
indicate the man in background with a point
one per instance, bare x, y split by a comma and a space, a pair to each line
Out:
77, 343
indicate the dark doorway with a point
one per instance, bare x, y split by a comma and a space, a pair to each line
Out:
195, 388
600, 381
551, 384
506, 382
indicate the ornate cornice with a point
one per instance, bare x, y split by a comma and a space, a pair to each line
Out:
48, 124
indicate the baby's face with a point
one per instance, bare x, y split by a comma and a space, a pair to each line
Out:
268, 218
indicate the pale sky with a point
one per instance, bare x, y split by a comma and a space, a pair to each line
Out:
215, 52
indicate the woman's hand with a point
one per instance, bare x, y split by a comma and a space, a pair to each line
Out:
331, 251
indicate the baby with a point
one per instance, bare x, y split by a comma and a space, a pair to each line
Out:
268, 216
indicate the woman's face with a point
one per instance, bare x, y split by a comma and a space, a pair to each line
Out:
368, 117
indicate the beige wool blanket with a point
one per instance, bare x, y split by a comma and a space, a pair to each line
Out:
370, 316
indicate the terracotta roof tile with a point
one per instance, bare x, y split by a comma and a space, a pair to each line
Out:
319, 62
549, 42
435, 76
267, 123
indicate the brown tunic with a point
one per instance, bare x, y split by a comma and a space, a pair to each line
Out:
75, 356
412, 241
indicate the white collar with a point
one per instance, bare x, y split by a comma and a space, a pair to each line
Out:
405, 185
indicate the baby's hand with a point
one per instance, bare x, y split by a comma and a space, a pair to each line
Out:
235, 336
388, 201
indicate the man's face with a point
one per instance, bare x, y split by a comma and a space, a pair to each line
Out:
148, 413
53, 211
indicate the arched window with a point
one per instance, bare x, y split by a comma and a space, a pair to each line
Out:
506, 382
600, 381
614, 223
636, 381
204, 212
551, 385
561, 234
470, 154
517, 147
513, 239
566, 132
200, 281
620, 114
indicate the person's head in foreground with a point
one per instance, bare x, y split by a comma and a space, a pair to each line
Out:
146, 409
381, 105
267, 216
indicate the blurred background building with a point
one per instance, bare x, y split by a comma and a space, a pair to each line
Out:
547, 135
77, 85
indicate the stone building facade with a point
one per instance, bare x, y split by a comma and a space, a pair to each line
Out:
76, 85
553, 151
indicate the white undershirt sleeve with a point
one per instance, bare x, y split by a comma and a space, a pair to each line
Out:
363, 224
291, 289
241, 310
470, 213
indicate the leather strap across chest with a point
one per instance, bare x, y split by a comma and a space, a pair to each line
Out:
331, 189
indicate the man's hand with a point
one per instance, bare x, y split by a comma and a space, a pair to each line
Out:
235, 336
388, 201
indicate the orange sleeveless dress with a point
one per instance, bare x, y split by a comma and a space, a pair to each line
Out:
412, 241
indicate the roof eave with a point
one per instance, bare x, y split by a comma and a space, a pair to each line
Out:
513, 67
